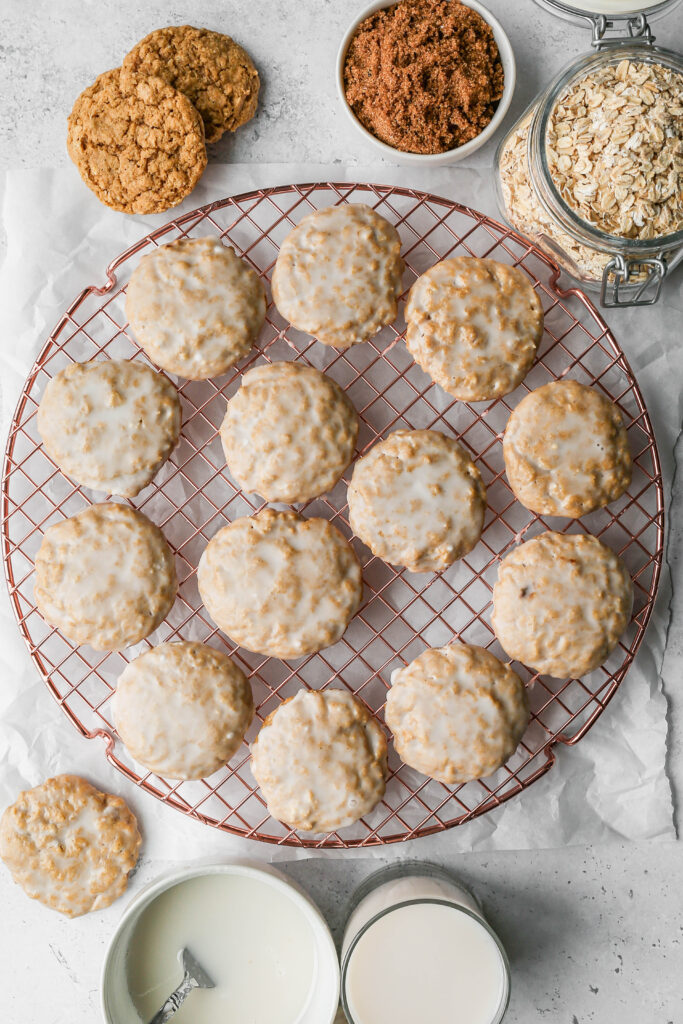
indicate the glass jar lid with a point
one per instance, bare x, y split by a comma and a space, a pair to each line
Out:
615, 10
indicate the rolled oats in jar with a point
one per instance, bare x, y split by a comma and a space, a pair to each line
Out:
594, 169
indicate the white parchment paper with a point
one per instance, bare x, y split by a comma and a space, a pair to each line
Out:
612, 785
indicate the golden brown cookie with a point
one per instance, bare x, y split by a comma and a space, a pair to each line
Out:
140, 151
215, 74
69, 845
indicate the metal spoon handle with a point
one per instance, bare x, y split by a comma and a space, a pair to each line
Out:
174, 1001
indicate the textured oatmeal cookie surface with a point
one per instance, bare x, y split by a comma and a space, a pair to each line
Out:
212, 70
141, 150
69, 845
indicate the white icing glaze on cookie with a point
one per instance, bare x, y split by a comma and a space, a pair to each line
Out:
474, 326
417, 499
195, 307
279, 584
320, 760
561, 603
110, 424
289, 432
68, 845
457, 713
105, 577
338, 274
566, 450
182, 709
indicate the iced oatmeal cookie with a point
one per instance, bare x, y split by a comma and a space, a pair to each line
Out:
320, 760
105, 577
560, 603
289, 432
279, 584
566, 450
110, 424
195, 307
338, 274
474, 326
69, 845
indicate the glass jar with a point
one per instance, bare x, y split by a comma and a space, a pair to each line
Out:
415, 945
624, 270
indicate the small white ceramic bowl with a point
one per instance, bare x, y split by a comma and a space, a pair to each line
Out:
117, 1006
451, 156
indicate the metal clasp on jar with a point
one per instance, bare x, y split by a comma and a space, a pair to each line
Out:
638, 28
621, 271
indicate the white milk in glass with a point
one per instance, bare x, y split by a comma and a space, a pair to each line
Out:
255, 943
418, 949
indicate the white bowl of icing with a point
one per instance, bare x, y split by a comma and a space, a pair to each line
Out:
262, 940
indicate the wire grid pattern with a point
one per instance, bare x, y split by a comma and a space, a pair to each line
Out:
402, 613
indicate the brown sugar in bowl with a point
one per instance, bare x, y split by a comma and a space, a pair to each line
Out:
448, 156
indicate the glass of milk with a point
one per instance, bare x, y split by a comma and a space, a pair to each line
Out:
417, 947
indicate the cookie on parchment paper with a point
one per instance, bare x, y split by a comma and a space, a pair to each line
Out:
105, 577
110, 424
474, 326
561, 603
289, 432
338, 274
321, 761
566, 450
457, 713
140, 150
279, 584
182, 709
69, 845
195, 307
213, 71
417, 499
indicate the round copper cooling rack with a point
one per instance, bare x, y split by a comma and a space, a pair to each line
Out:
402, 613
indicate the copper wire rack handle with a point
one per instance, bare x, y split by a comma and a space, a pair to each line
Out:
193, 495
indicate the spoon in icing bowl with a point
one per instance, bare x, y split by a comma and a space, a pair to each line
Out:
194, 976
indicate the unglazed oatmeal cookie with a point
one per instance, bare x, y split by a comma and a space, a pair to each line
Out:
417, 499
182, 709
338, 274
195, 307
289, 432
561, 603
279, 584
141, 150
474, 326
320, 760
216, 74
566, 450
457, 713
110, 425
69, 845
105, 577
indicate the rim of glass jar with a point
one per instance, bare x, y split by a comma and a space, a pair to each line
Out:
585, 12
539, 170
399, 870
